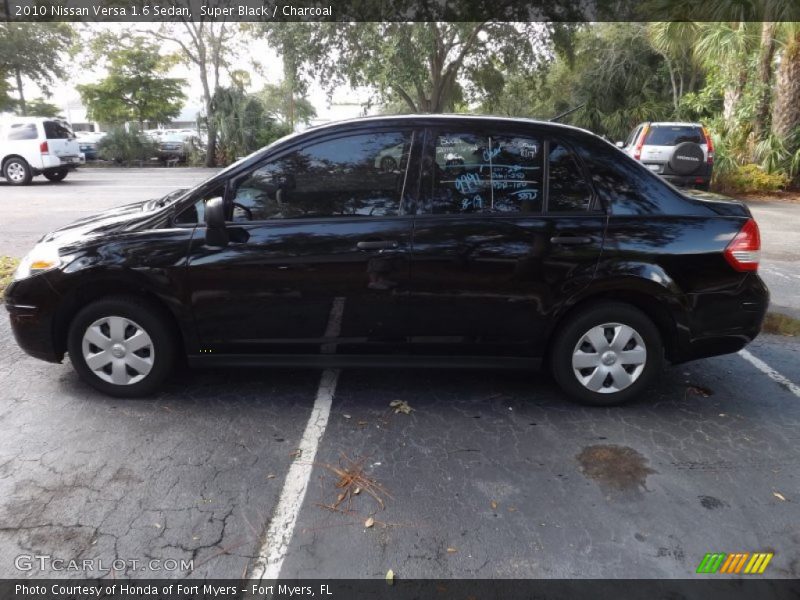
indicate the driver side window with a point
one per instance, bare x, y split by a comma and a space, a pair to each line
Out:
358, 175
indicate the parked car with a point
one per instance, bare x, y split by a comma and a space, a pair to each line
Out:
177, 146
88, 143
681, 153
31, 146
549, 247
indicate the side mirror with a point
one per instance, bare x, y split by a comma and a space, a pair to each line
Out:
620, 144
216, 232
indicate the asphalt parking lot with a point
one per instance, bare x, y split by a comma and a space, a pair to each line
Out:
490, 474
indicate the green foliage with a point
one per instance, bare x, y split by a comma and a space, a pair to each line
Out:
41, 108
136, 87
284, 105
752, 178
429, 66
614, 72
32, 51
122, 146
243, 124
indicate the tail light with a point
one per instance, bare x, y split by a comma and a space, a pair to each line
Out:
744, 251
710, 145
637, 151
44, 148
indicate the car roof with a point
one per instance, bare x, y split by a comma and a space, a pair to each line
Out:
445, 117
673, 124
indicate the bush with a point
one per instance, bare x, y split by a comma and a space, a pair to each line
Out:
752, 178
123, 146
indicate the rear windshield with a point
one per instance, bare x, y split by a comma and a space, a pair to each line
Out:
666, 135
56, 131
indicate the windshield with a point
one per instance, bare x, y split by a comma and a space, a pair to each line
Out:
168, 199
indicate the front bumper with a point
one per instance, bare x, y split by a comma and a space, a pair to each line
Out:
31, 305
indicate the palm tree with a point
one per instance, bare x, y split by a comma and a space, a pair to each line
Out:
786, 107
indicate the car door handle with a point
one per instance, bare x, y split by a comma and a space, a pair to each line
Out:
377, 245
569, 240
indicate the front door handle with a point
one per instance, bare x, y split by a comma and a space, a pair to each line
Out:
377, 245
569, 240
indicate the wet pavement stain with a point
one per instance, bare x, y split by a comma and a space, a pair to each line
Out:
711, 503
615, 468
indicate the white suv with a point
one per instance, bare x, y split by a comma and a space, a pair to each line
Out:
37, 146
681, 153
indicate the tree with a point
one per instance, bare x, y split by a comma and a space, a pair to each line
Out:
33, 51
41, 108
207, 45
675, 41
786, 109
292, 41
136, 87
427, 65
242, 124
285, 106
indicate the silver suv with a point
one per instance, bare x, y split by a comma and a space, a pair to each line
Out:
681, 153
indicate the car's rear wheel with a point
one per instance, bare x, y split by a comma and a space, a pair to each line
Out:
17, 171
56, 176
122, 346
607, 354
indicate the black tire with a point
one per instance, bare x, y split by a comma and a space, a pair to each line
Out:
147, 317
56, 176
17, 171
573, 331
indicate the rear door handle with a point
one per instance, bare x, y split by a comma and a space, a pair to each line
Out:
377, 245
568, 240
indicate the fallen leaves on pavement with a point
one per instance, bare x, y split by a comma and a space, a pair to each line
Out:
400, 406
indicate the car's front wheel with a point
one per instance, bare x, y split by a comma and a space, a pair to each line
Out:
607, 354
17, 171
122, 346
56, 176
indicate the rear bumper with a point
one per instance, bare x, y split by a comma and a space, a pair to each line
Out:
688, 180
724, 322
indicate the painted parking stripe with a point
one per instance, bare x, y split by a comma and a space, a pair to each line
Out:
770, 372
281, 526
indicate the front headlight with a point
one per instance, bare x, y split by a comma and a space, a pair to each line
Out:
42, 258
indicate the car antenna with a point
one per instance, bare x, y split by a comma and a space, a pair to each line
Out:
560, 116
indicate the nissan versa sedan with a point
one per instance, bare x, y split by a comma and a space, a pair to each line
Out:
542, 244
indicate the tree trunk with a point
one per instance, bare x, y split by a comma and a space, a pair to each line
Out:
23, 107
211, 144
765, 57
786, 111
732, 95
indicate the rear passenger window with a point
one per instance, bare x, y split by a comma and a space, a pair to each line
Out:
21, 131
56, 131
569, 191
485, 173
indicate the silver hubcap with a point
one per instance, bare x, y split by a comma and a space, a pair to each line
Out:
609, 358
15, 172
118, 350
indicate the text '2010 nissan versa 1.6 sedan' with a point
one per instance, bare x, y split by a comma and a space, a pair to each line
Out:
483, 242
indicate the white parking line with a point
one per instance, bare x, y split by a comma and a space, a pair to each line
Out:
770, 372
281, 527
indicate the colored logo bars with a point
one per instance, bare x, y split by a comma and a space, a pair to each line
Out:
742, 562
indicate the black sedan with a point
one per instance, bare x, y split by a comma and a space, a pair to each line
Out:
541, 244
